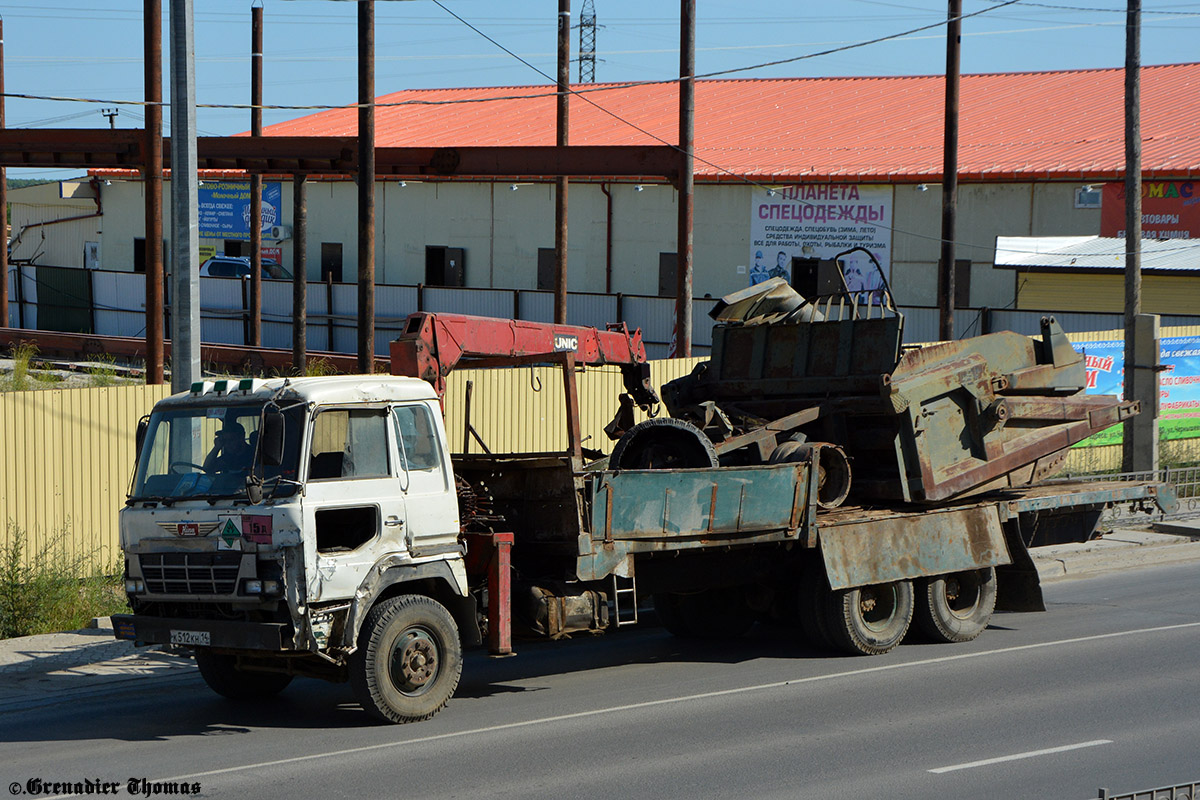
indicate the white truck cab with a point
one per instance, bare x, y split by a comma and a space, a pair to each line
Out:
267, 518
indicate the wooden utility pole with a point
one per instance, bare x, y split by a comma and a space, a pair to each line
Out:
687, 117
950, 172
1139, 441
561, 185
152, 68
3, 201
300, 274
366, 186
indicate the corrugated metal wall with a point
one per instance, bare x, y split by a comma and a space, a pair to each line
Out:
66, 463
1161, 294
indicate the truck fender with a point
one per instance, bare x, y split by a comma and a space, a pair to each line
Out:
436, 579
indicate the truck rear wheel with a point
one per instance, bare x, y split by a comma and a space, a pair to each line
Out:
956, 607
221, 674
870, 620
711, 614
408, 661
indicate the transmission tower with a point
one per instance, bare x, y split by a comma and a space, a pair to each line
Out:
587, 43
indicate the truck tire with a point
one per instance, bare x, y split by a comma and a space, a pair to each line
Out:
408, 661
221, 674
870, 620
956, 607
711, 614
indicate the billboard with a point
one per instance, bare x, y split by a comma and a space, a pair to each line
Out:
1179, 385
1170, 210
819, 221
225, 209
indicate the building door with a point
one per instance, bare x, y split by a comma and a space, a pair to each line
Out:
813, 277
331, 261
445, 266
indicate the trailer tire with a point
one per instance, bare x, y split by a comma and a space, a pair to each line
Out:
408, 661
812, 602
711, 614
956, 607
221, 674
870, 620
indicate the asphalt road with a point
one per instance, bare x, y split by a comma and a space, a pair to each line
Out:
1100, 691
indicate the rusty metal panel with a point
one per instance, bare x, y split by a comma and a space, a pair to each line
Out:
913, 545
703, 503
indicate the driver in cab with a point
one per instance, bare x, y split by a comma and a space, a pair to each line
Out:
231, 452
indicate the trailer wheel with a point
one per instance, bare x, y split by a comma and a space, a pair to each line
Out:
711, 614
221, 674
956, 607
870, 620
408, 660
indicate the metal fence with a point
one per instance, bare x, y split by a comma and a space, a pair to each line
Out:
1183, 791
111, 303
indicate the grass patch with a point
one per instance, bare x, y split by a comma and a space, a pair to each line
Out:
19, 379
318, 368
51, 589
104, 373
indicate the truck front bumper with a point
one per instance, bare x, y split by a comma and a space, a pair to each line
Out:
202, 633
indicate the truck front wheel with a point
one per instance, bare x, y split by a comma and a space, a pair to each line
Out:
221, 674
870, 620
408, 661
956, 607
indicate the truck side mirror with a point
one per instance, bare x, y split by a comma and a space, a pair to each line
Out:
270, 441
140, 437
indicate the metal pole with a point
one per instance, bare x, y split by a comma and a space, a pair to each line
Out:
1133, 223
152, 68
561, 184
185, 225
3, 200
366, 186
300, 275
687, 108
256, 98
950, 171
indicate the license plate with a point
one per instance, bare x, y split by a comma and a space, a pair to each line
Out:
191, 638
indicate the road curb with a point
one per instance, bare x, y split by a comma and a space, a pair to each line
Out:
1066, 562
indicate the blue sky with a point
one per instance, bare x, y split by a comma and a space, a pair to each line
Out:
70, 48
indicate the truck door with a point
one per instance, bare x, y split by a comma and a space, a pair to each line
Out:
431, 501
353, 501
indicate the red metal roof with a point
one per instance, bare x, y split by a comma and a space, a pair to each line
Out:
1015, 126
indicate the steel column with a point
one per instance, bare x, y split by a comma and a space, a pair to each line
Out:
366, 185
256, 115
300, 275
185, 225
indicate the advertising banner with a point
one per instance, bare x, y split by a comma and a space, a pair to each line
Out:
820, 221
1179, 385
225, 209
1170, 210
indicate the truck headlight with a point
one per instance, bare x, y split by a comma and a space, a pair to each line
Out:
134, 586
252, 587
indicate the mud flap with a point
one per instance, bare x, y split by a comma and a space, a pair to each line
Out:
1018, 586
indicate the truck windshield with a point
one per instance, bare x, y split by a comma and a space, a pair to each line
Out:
208, 452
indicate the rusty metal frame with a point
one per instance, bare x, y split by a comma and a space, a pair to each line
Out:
334, 155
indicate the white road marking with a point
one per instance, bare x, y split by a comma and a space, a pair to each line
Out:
670, 701
1018, 756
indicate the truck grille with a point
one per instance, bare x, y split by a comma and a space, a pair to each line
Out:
191, 573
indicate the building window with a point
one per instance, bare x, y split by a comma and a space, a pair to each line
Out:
1088, 197
445, 266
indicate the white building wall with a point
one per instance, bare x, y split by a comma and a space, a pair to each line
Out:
502, 229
